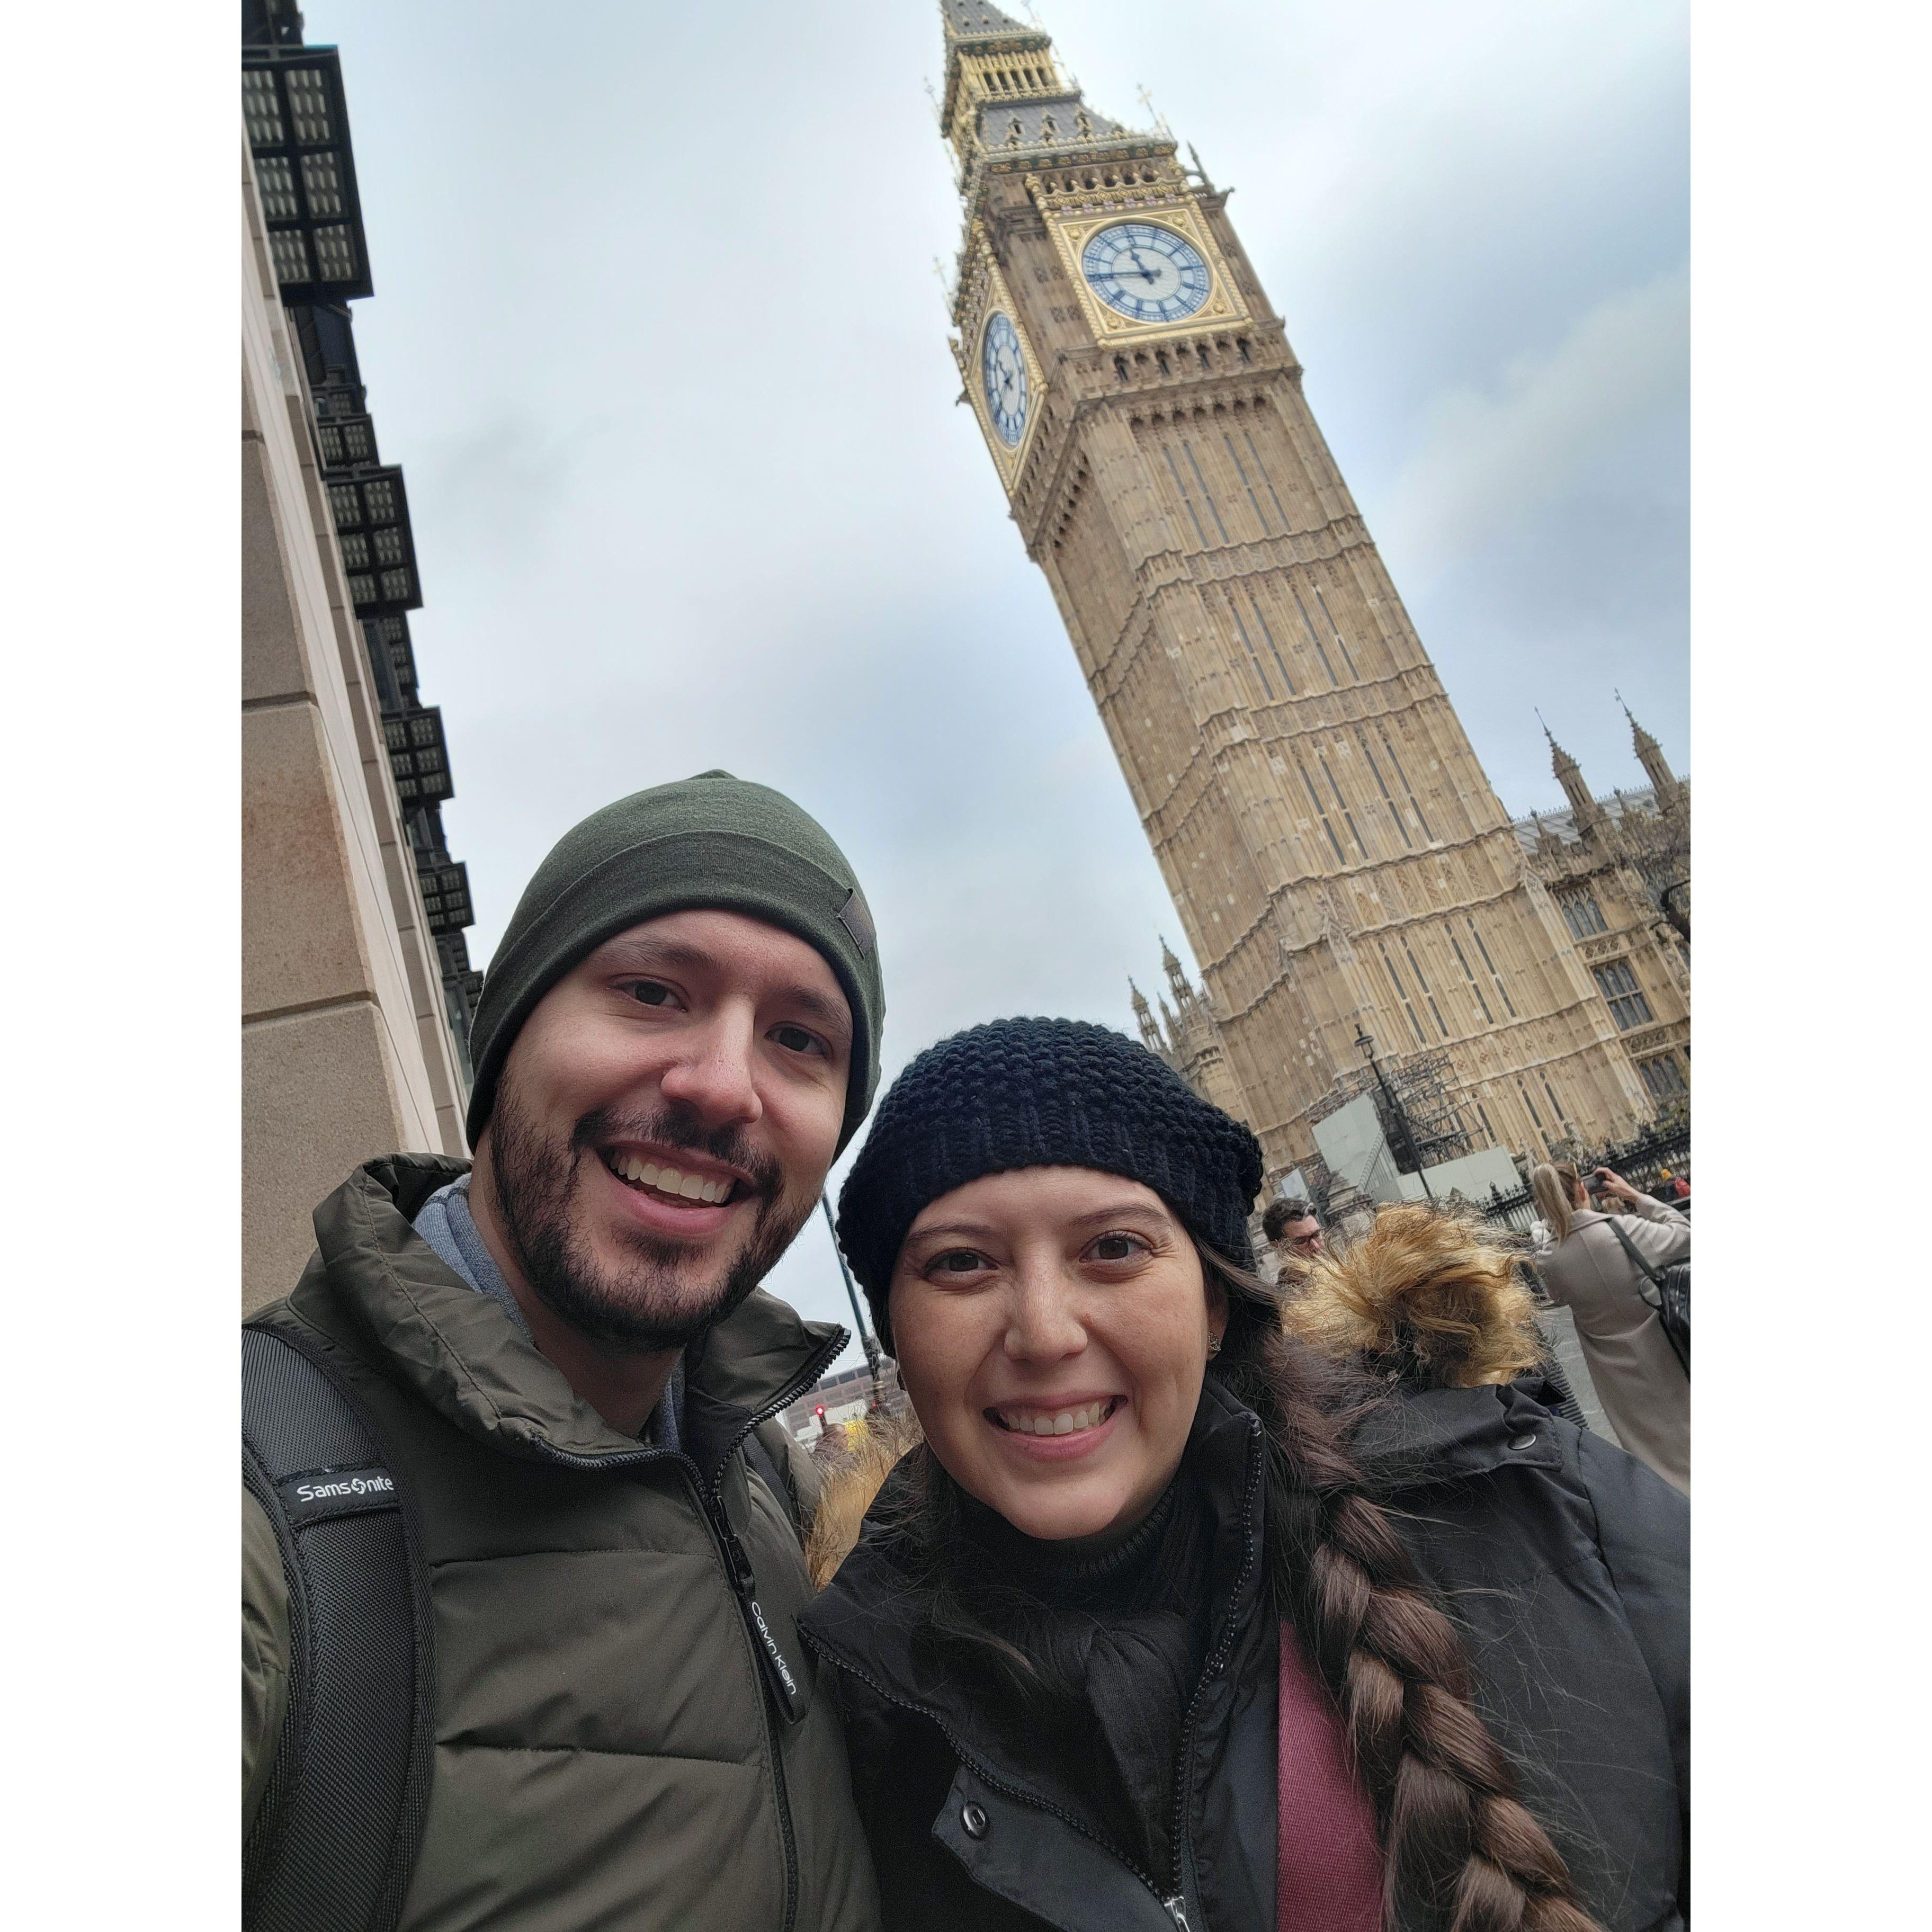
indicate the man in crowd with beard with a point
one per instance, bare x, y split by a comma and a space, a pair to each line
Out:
567, 1364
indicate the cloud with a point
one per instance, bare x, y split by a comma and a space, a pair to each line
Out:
1492, 454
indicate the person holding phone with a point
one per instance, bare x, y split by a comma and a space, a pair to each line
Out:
1644, 1389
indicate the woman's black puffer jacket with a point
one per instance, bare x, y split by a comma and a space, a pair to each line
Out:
1564, 1561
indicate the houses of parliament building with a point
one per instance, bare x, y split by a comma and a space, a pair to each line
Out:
1345, 874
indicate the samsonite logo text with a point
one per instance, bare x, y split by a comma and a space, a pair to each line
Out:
374, 1484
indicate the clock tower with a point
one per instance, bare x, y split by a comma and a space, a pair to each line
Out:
1336, 856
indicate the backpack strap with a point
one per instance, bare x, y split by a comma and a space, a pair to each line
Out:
335, 1841
1655, 1297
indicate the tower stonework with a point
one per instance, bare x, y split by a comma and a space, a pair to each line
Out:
1335, 854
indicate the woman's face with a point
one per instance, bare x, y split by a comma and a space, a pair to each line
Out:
1052, 1327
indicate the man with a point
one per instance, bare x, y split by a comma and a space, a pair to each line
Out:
1294, 1233
566, 1359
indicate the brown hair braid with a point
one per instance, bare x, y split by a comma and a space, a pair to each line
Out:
1459, 1845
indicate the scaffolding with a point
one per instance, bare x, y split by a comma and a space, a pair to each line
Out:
1423, 1086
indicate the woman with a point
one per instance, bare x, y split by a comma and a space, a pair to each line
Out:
1133, 1638
1641, 1385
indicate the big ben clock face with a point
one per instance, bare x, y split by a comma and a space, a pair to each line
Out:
1146, 273
1002, 370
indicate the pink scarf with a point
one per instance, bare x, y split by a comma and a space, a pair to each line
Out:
1328, 1863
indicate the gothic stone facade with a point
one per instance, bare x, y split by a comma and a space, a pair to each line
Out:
1335, 852
1617, 869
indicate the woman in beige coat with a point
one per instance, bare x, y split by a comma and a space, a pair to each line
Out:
1643, 1387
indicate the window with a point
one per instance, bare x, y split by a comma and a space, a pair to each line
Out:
322, 184
1617, 984
1461, 960
1424, 984
1401, 994
308, 104
289, 247
260, 109
1582, 915
276, 179
1663, 1077
1509, 1005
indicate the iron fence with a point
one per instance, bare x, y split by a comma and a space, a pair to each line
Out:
1641, 1162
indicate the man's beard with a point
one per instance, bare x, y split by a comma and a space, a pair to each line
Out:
638, 1307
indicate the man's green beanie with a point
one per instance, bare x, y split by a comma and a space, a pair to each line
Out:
712, 842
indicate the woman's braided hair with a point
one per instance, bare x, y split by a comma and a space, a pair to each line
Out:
1460, 1848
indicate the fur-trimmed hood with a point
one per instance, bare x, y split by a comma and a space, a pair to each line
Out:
1426, 1293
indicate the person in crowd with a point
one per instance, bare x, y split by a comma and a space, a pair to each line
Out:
1171, 1615
1292, 1228
576, 1378
1643, 1388
1432, 1303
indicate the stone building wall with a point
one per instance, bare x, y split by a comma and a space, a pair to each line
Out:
346, 1051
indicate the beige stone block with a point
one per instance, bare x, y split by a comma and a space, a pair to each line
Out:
318, 1098
272, 662
301, 943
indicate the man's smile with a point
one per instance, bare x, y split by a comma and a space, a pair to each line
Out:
660, 1176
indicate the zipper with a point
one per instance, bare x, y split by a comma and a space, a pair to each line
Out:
1184, 1774
744, 1582
1173, 1904
988, 1777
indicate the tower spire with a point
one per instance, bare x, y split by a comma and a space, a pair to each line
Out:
1664, 782
1005, 89
1584, 808
1176, 977
1150, 1035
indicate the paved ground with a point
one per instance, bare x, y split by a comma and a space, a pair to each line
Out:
1560, 1328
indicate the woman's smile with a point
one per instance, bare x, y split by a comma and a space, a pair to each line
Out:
1058, 1434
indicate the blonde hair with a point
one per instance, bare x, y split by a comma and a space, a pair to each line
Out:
1427, 1289
849, 1490
1555, 1189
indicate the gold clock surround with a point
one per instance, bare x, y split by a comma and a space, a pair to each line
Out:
991, 296
1072, 220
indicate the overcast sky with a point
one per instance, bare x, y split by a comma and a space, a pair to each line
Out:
657, 341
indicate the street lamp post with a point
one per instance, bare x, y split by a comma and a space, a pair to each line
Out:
1397, 1114
867, 1339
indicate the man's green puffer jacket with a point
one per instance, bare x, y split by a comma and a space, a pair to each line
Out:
607, 1753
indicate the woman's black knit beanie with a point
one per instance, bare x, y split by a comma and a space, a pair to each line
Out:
1038, 1092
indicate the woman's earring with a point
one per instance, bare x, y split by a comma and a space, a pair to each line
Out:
1213, 1346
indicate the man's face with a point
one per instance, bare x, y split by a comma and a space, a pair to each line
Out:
1301, 1241
664, 1123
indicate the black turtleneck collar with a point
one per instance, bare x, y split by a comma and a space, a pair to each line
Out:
1128, 1576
